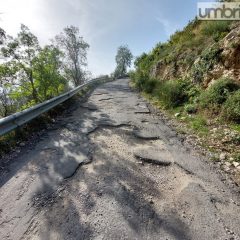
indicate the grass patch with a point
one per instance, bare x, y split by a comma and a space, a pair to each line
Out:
195, 122
235, 127
216, 29
231, 108
199, 124
217, 94
170, 93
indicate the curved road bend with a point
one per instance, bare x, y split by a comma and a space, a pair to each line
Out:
112, 170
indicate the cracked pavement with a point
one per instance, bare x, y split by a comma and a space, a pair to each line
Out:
113, 170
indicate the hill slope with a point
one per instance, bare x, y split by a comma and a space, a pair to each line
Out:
195, 76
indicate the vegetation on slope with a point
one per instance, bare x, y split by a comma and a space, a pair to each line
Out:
174, 71
178, 76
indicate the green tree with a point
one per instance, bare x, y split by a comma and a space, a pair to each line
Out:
47, 72
21, 52
30, 74
75, 52
7, 103
123, 59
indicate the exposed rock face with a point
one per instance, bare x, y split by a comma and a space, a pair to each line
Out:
227, 66
163, 70
172, 69
231, 53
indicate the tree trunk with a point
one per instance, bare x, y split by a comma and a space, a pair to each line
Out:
34, 91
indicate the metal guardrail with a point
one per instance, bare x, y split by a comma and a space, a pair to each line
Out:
16, 120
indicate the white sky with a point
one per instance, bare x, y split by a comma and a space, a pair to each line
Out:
104, 24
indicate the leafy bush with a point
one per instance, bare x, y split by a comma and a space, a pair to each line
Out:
142, 81
218, 36
207, 60
150, 85
218, 93
139, 79
231, 108
190, 108
171, 93
131, 74
216, 29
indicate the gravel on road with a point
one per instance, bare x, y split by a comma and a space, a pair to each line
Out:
113, 170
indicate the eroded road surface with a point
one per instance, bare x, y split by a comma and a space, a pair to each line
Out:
113, 170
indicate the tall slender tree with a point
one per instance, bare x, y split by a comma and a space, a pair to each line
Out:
123, 59
75, 51
7, 103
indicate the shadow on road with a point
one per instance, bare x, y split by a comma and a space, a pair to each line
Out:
78, 208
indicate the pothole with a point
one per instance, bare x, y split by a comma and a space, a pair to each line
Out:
153, 156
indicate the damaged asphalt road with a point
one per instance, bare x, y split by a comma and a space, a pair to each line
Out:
113, 170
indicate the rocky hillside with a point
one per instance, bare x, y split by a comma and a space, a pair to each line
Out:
203, 54
203, 51
228, 64
195, 78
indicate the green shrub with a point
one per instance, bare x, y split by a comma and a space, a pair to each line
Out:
190, 108
171, 93
149, 85
217, 94
231, 108
218, 36
131, 74
216, 28
208, 59
139, 79
193, 91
